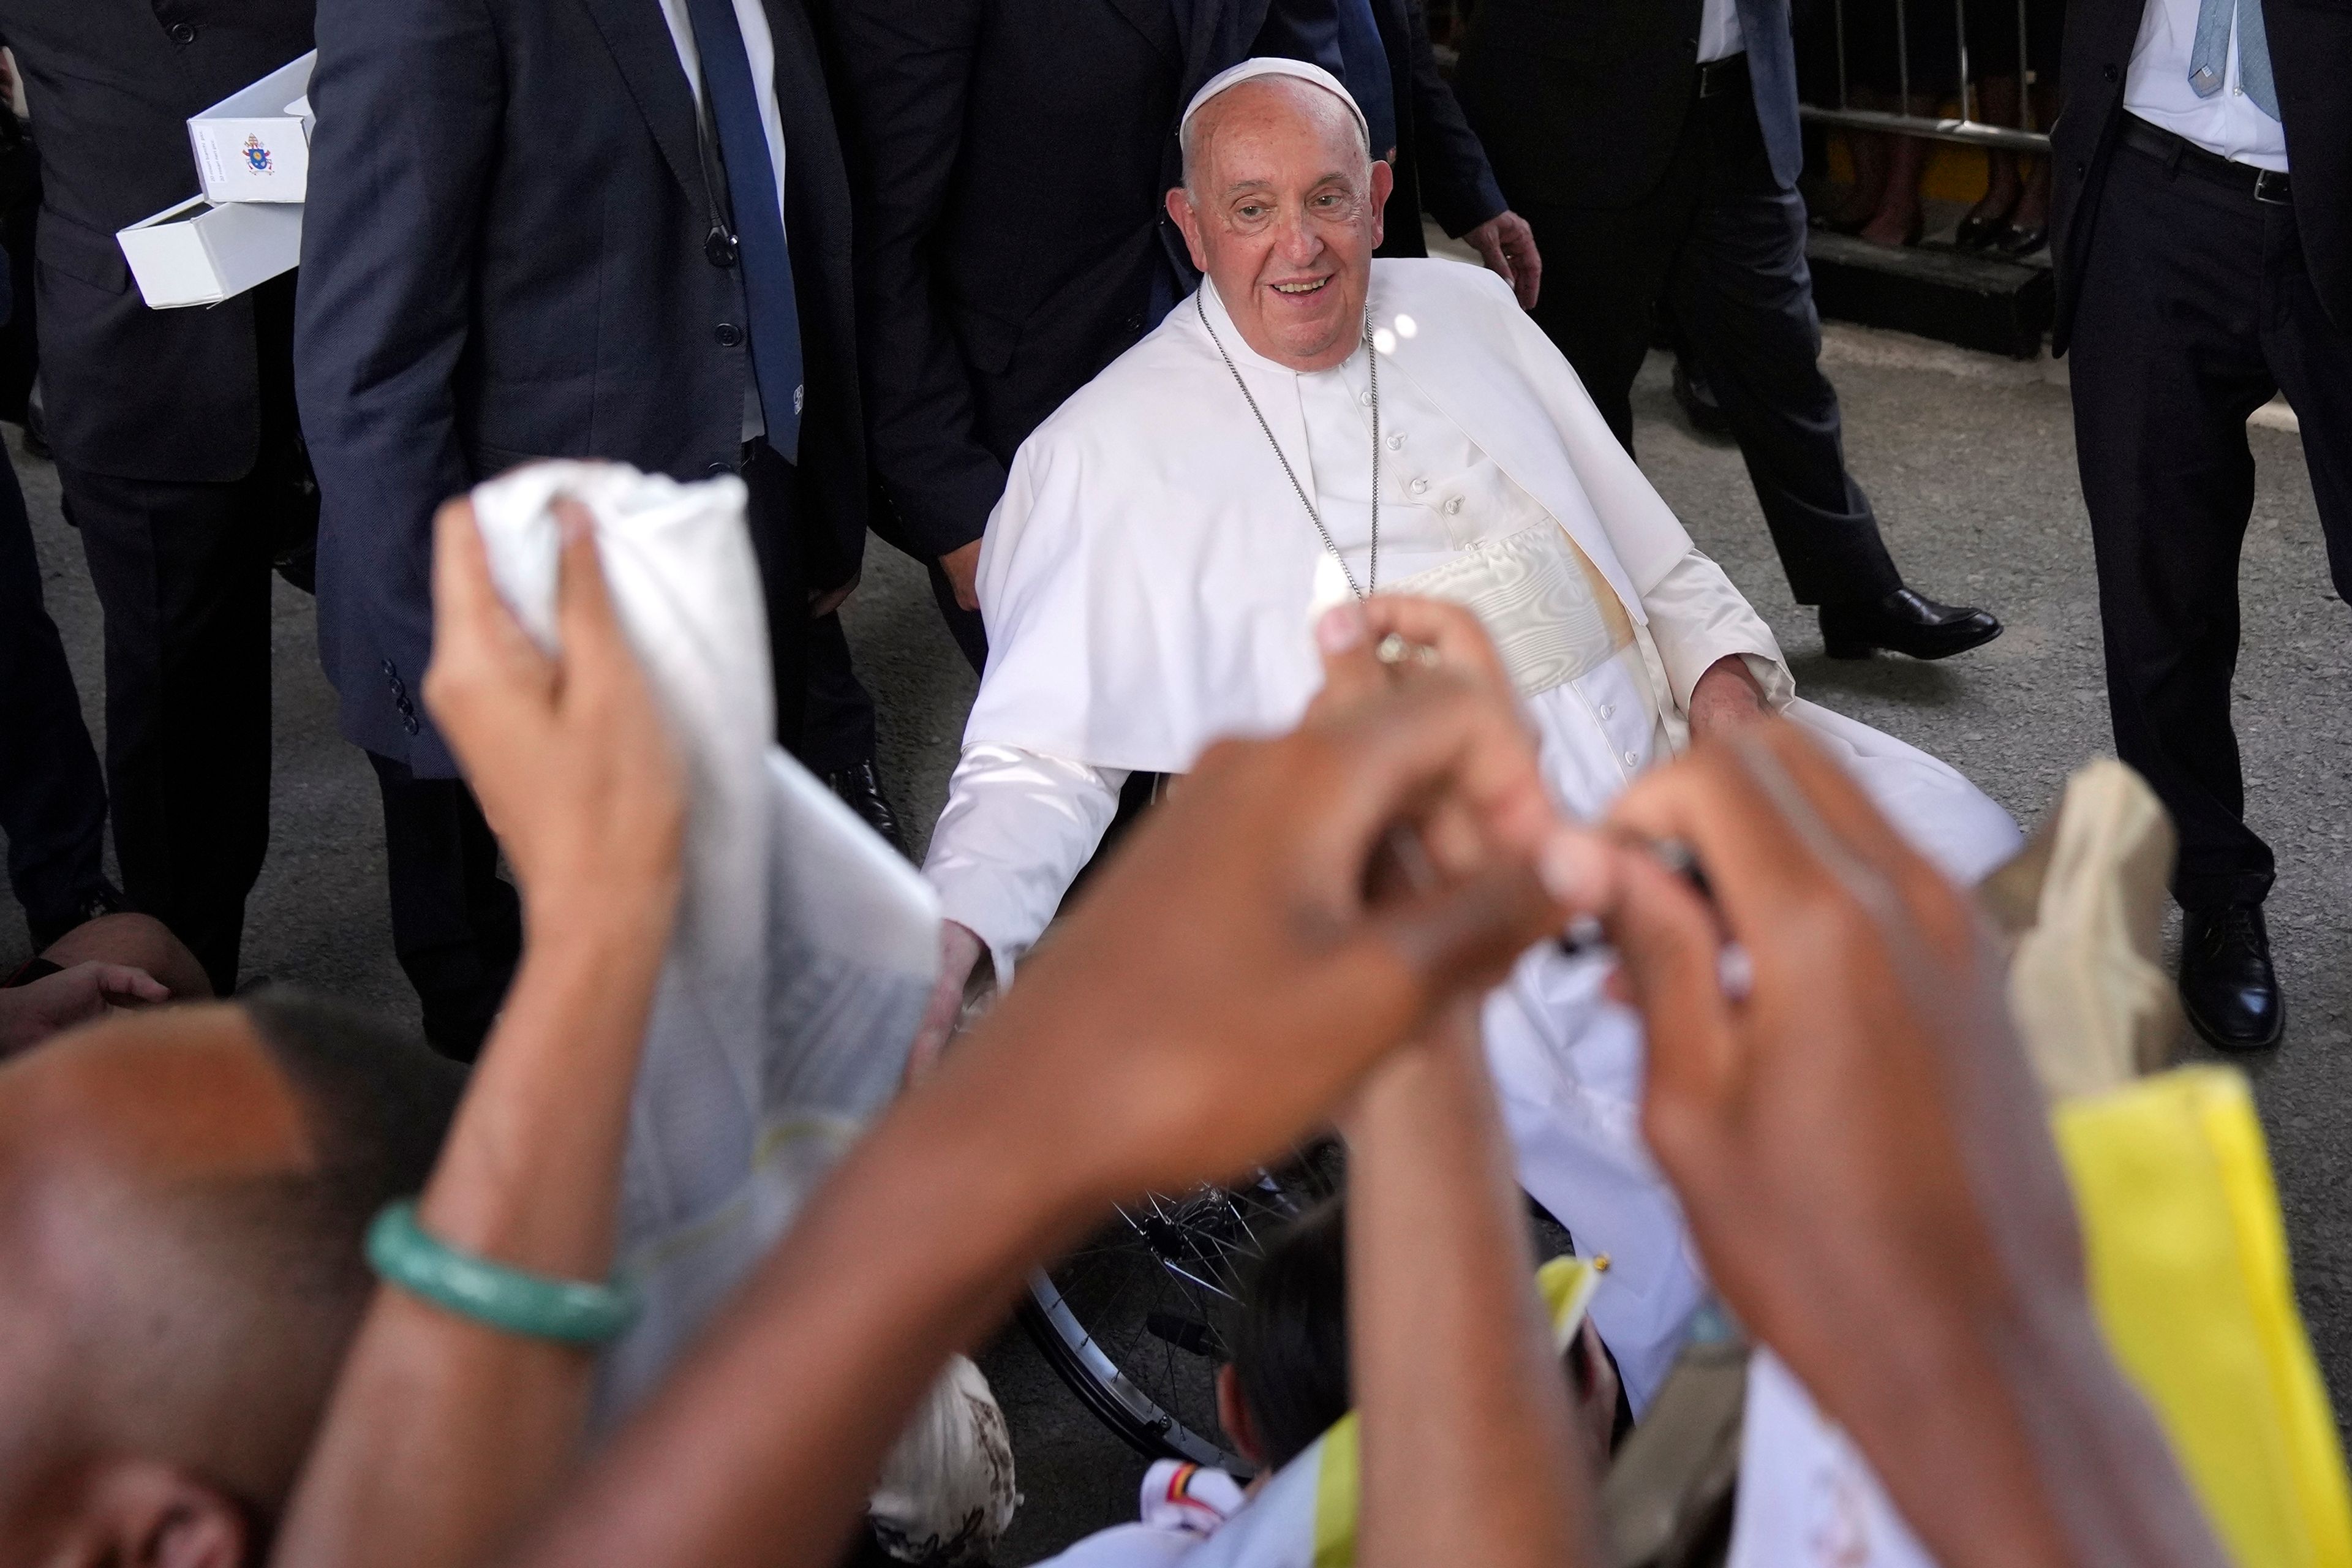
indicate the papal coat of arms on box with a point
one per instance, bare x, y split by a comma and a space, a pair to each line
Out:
257, 156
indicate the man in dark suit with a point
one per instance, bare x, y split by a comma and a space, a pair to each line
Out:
2201, 226
52, 796
572, 228
1653, 146
173, 431
1011, 157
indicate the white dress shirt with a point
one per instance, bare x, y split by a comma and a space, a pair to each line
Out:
759, 48
2157, 89
1018, 825
1720, 36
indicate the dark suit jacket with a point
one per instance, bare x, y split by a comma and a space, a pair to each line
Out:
135, 393
2311, 60
1010, 158
504, 258
1579, 102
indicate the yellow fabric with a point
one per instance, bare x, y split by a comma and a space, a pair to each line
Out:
1567, 1284
2187, 1269
1335, 1496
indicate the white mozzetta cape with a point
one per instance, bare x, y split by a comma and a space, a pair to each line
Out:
1146, 578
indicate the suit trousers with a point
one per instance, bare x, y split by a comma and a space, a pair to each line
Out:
837, 714
182, 571
52, 796
456, 924
2195, 309
1722, 244
778, 508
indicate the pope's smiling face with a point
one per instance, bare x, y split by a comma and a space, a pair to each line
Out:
1281, 208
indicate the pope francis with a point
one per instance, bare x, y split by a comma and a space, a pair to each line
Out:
1310, 424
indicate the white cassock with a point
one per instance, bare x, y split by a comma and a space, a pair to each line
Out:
1146, 582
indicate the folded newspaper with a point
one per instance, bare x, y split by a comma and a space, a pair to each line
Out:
805, 951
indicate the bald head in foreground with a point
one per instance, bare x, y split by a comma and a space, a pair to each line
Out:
182, 1195
1313, 425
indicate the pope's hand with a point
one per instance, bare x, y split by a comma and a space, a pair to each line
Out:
568, 755
1507, 245
1726, 698
961, 951
962, 566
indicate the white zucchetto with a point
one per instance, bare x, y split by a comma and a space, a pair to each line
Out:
1274, 64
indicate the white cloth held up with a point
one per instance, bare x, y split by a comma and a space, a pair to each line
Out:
799, 968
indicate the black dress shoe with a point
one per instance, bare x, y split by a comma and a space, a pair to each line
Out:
1905, 622
1698, 403
2024, 240
862, 791
2228, 987
1976, 233
106, 898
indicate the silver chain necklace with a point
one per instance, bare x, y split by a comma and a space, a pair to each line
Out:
1372, 363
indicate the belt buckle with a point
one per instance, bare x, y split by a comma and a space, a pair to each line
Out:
2273, 186
1710, 74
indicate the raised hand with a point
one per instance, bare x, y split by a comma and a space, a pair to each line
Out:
1863, 1155
568, 756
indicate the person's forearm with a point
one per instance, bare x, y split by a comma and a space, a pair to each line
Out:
2007, 1437
1467, 1449
431, 1404
911, 1250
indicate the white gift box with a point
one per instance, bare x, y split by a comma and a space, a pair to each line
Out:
254, 144
200, 254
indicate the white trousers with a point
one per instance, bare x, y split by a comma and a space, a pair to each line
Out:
1568, 1063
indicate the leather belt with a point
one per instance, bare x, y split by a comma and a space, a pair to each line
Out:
1728, 74
2270, 186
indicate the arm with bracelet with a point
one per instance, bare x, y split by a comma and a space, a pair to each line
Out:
461, 1404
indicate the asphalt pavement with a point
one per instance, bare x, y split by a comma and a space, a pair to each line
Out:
1972, 466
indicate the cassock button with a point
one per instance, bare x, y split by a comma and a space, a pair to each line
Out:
1418, 487
1396, 443
1630, 759
1607, 709
1364, 398
1453, 505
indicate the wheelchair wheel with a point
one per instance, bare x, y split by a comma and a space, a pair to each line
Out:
1136, 1321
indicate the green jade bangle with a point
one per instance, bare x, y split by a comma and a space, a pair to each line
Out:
570, 1311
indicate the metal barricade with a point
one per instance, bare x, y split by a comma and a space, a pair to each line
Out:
1967, 130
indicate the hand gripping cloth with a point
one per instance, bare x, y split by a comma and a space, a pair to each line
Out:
804, 954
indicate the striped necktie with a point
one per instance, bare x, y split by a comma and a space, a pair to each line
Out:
2209, 59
